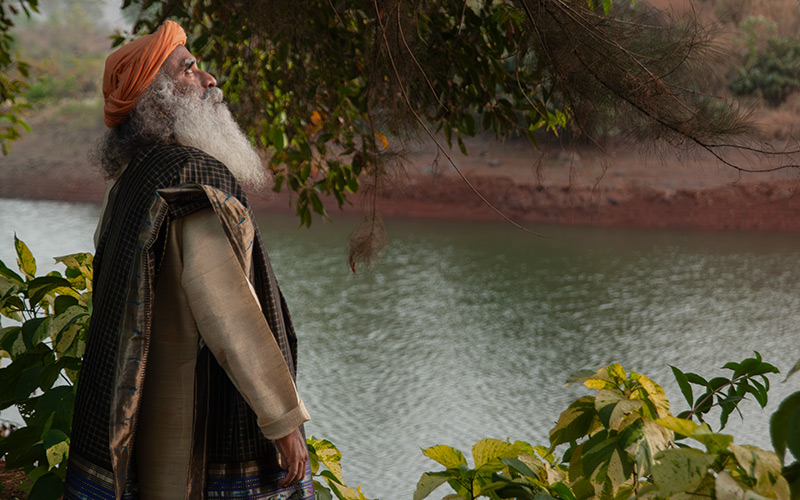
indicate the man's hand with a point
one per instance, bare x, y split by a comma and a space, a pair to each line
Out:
294, 456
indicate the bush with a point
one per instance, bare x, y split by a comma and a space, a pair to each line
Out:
771, 70
623, 442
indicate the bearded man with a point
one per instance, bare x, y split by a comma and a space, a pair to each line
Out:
187, 387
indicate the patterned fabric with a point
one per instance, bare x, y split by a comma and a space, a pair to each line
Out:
159, 185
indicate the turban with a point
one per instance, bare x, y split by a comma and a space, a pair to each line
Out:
131, 68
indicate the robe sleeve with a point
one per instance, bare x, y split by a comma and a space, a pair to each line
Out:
230, 321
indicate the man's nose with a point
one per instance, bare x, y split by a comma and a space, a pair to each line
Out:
208, 80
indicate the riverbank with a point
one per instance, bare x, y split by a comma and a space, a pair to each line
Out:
622, 186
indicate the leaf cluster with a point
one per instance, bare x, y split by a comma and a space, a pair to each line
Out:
13, 73
623, 442
502, 470
769, 67
322, 452
45, 343
747, 377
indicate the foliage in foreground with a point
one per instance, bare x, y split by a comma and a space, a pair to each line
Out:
13, 74
621, 442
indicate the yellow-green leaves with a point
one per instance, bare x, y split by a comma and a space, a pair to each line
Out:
428, 482
608, 377
764, 467
680, 470
25, 260
323, 452
486, 451
502, 470
56, 444
575, 422
445, 455
47, 346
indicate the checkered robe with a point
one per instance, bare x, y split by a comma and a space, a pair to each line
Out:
230, 456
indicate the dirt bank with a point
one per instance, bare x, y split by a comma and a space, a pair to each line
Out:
618, 187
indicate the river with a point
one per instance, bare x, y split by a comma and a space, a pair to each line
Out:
467, 330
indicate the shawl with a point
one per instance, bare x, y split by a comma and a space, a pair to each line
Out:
230, 456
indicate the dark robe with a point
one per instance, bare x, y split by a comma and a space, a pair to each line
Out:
230, 456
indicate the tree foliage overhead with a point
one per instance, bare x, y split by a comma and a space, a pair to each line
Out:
13, 72
332, 86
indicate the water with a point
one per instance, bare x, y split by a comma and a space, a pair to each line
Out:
468, 330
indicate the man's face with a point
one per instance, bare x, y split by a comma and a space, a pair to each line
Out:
182, 67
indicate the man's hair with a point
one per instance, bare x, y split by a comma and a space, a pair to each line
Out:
151, 122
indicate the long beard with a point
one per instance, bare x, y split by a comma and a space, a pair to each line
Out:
205, 122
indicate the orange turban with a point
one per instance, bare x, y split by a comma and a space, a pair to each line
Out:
131, 68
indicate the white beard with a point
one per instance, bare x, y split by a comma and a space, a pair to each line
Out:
205, 122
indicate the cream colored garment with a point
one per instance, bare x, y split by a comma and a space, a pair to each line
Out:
203, 284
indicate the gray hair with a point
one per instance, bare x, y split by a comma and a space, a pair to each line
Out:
150, 122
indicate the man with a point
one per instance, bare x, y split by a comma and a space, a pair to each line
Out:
187, 386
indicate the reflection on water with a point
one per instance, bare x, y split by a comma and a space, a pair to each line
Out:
468, 330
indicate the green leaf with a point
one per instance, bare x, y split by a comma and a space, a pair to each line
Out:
714, 442
574, 422
329, 455
631, 434
759, 391
39, 287
28, 382
563, 491
450, 457
50, 373
461, 144
32, 331
56, 444
12, 341
25, 260
47, 487
758, 464
683, 384
680, 470
9, 274
279, 139
58, 401
696, 379
597, 451
62, 302
469, 124
428, 482
784, 427
487, 450
519, 466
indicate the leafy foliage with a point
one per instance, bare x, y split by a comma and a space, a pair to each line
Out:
45, 343
621, 443
771, 68
323, 452
13, 73
725, 392
332, 89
